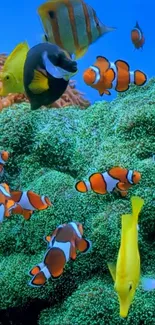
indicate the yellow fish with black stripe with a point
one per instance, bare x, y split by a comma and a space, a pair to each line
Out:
71, 24
47, 71
126, 273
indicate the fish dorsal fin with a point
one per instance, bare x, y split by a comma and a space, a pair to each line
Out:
105, 62
137, 204
20, 48
122, 64
39, 84
112, 269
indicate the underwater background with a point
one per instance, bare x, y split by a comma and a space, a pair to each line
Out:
51, 149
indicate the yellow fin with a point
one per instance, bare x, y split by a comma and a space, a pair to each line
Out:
22, 49
80, 53
137, 204
112, 269
39, 84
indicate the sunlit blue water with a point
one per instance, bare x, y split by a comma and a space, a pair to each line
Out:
19, 21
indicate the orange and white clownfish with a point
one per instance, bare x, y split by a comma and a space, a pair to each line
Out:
29, 201
115, 178
137, 37
4, 155
104, 75
62, 246
6, 202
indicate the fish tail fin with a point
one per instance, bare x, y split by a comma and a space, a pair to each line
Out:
38, 280
81, 186
148, 284
137, 204
140, 78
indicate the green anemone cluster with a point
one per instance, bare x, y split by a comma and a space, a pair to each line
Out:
50, 151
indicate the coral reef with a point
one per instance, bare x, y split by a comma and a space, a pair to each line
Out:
71, 97
51, 150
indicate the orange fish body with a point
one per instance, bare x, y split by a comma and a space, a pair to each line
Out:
104, 75
137, 37
6, 202
4, 155
29, 201
62, 246
116, 178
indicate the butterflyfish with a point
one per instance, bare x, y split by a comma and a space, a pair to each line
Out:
71, 24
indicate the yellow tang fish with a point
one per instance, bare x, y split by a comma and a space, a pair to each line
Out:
126, 273
71, 24
11, 75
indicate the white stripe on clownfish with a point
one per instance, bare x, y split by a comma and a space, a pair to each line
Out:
75, 227
113, 66
65, 247
97, 74
110, 182
46, 272
2, 211
132, 77
25, 203
1, 160
88, 185
129, 176
43, 199
4, 191
139, 32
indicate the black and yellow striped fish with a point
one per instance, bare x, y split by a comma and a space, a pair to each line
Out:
71, 24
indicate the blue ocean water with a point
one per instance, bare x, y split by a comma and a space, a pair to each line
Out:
19, 22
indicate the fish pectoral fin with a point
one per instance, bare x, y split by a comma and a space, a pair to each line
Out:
107, 92
121, 186
39, 84
47, 239
112, 269
84, 245
109, 75
81, 52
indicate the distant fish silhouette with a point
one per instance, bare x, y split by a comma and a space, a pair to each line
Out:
137, 37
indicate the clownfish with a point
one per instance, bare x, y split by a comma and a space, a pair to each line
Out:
6, 202
4, 155
104, 75
126, 272
62, 246
29, 201
137, 37
115, 178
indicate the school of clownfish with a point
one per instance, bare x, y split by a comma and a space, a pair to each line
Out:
67, 239
43, 73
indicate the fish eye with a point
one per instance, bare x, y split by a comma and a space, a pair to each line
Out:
130, 287
7, 77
